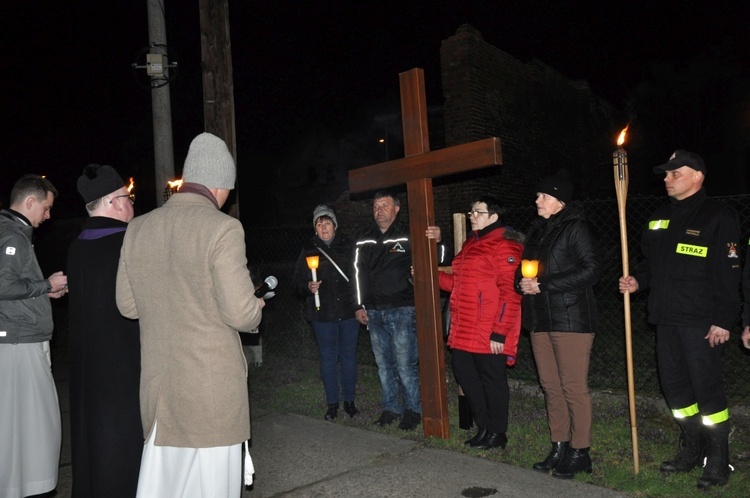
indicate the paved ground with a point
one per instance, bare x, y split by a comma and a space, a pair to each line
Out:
298, 456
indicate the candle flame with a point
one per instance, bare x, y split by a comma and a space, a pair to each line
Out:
132, 185
313, 262
175, 184
529, 268
621, 140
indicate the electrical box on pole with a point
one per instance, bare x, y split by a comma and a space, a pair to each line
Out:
159, 72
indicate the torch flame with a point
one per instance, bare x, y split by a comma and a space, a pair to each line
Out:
621, 140
175, 184
132, 185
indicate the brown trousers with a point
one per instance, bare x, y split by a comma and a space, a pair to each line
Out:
562, 362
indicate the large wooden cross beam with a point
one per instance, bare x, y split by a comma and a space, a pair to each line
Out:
417, 170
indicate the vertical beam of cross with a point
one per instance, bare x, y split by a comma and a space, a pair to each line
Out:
435, 418
417, 169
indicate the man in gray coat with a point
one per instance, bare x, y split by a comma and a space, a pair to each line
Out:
29, 411
183, 273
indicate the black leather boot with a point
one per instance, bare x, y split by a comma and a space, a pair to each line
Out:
717, 470
492, 440
350, 409
479, 436
577, 460
333, 411
693, 447
555, 457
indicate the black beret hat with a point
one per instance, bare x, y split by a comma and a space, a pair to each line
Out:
98, 181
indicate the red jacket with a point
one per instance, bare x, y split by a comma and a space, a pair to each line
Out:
483, 302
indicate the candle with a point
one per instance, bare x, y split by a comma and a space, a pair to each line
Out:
529, 268
312, 263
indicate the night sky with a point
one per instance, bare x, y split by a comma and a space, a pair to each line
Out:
72, 98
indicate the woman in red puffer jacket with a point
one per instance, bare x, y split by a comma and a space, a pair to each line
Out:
485, 318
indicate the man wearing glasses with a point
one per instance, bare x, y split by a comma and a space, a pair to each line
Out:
105, 359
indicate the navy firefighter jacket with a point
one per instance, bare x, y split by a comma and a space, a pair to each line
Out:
692, 263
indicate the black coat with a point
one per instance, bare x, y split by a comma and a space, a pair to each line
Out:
338, 299
569, 267
692, 265
105, 367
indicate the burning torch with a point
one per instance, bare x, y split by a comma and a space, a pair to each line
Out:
620, 163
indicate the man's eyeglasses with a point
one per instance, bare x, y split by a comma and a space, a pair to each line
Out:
476, 212
129, 196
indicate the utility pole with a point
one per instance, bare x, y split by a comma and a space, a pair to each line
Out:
161, 106
218, 83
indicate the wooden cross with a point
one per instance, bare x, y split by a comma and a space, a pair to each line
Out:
417, 169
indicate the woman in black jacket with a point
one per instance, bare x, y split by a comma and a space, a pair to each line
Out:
336, 329
559, 310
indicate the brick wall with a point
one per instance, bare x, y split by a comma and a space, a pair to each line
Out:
545, 122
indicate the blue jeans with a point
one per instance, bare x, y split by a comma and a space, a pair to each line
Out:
393, 333
337, 343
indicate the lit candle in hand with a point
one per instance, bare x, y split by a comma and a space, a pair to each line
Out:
529, 268
312, 263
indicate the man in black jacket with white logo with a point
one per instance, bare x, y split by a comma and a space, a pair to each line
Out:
382, 262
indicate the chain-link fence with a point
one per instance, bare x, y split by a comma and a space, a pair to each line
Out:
274, 251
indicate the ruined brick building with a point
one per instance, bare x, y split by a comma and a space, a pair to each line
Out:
545, 121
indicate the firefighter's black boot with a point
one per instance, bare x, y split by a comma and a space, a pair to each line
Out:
717, 470
693, 447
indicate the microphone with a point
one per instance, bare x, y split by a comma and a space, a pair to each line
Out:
266, 287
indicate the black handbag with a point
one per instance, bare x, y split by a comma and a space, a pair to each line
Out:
446, 316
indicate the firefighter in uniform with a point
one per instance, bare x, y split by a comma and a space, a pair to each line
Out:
692, 269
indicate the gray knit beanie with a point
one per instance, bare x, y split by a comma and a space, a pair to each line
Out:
209, 163
324, 210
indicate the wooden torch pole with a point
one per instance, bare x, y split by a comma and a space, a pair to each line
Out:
620, 160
